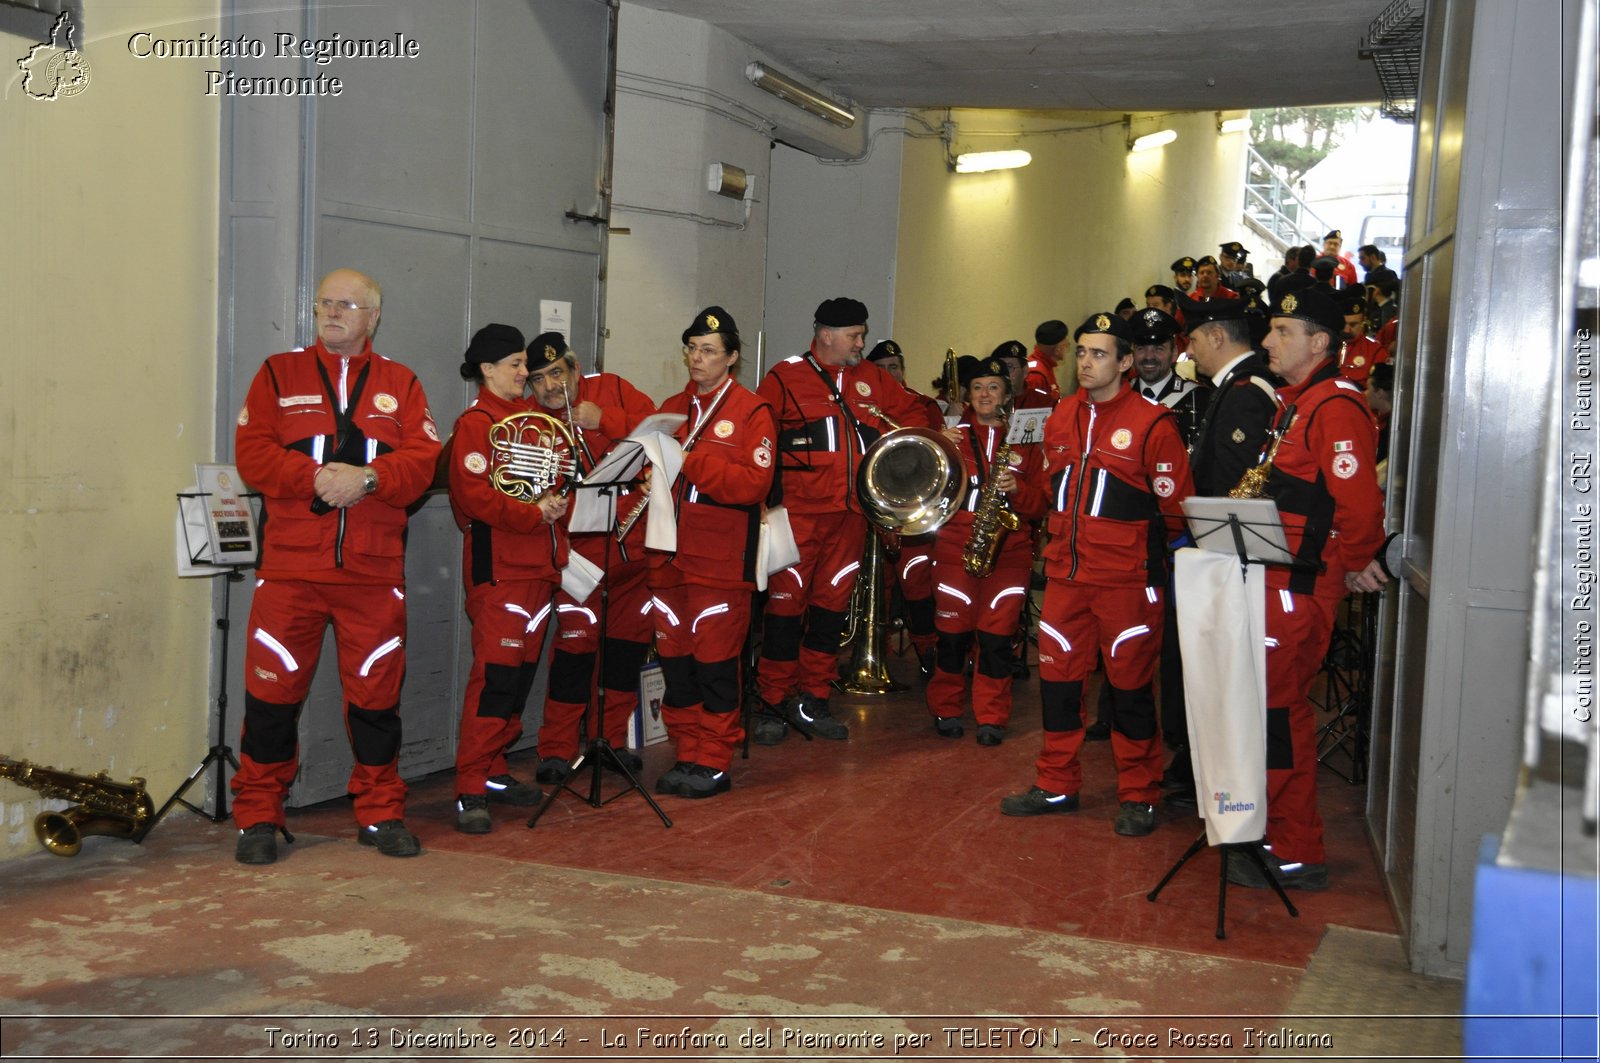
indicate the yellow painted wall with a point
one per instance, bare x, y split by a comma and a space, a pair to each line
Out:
983, 258
107, 380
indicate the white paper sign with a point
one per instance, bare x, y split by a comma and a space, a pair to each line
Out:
1027, 426
556, 316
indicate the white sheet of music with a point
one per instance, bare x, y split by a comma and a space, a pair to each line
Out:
1027, 426
594, 508
666, 459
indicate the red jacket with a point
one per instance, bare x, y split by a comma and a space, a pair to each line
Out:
819, 447
1118, 473
723, 485
622, 407
287, 432
1027, 501
1040, 388
1357, 358
1324, 482
502, 537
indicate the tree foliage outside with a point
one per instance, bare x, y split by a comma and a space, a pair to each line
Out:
1294, 139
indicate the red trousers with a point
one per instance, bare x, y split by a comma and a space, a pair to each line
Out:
572, 666
914, 570
806, 606
1079, 623
1298, 629
700, 637
509, 619
287, 621
982, 611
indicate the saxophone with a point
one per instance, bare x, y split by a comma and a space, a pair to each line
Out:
1254, 481
993, 517
121, 810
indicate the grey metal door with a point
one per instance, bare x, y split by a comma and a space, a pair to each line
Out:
458, 176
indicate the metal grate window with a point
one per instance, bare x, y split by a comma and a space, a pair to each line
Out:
1394, 44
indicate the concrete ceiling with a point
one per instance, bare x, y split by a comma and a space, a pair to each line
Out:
1119, 55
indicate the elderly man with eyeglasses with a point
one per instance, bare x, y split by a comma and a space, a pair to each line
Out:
339, 440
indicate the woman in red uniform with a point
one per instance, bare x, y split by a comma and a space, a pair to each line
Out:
983, 608
701, 602
512, 555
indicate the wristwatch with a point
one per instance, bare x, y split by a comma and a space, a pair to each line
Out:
369, 480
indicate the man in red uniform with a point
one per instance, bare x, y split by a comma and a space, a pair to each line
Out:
1117, 472
826, 403
512, 553
603, 409
983, 608
1208, 282
1324, 482
914, 566
1359, 352
701, 604
339, 440
1041, 387
1343, 268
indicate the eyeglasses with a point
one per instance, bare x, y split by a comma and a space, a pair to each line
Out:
329, 305
703, 349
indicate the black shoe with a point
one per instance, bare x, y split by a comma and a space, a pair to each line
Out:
948, 726
472, 814
701, 781
506, 790
1037, 802
1099, 731
1184, 799
553, 771
390, 838
1136, 819
672, 779
257, 844
813, 715
767, 728
925, 662
1242, 871
628, 759
990, 734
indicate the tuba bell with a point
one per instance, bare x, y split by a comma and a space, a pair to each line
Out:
910, 480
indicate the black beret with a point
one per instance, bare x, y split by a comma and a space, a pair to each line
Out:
885, 349
1317, 305
1153, 326
711, 320
969, 368
490, 344
1234, 248
1105, 322
1161, 291
1050, 333
841, 312
1183, 265
547, 347
1197, 314
1014, 349
1126, 304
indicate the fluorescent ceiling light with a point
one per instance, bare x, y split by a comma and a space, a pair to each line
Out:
1234, 125
1154, 140
802, 96
981, 161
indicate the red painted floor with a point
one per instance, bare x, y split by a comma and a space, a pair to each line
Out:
899, 819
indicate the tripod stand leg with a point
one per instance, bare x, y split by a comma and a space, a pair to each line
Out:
1199, 843
218, 755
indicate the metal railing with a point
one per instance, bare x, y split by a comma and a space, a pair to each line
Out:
1275, 208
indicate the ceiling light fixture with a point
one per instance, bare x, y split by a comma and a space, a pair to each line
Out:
1232, 125
983, 161
1154, 140
802, 96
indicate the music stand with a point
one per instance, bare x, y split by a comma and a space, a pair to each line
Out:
616, 470
1250, 530
201, 559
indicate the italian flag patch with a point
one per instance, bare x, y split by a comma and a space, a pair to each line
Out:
1163, 466
1343, 445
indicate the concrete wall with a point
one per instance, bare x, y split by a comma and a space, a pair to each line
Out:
108, 200
983, 258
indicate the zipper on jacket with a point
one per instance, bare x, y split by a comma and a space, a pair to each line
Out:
1077, 491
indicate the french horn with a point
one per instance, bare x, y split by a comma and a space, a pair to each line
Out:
531, 454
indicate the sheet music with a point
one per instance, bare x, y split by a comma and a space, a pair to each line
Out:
1259, 523
666, 460
1027, 426
594, 502
665, 423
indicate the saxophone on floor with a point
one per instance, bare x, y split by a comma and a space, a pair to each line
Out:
101, 806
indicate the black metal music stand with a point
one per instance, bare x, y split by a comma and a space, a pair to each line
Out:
598, 753
1347, 671
1254, 542
220, 753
